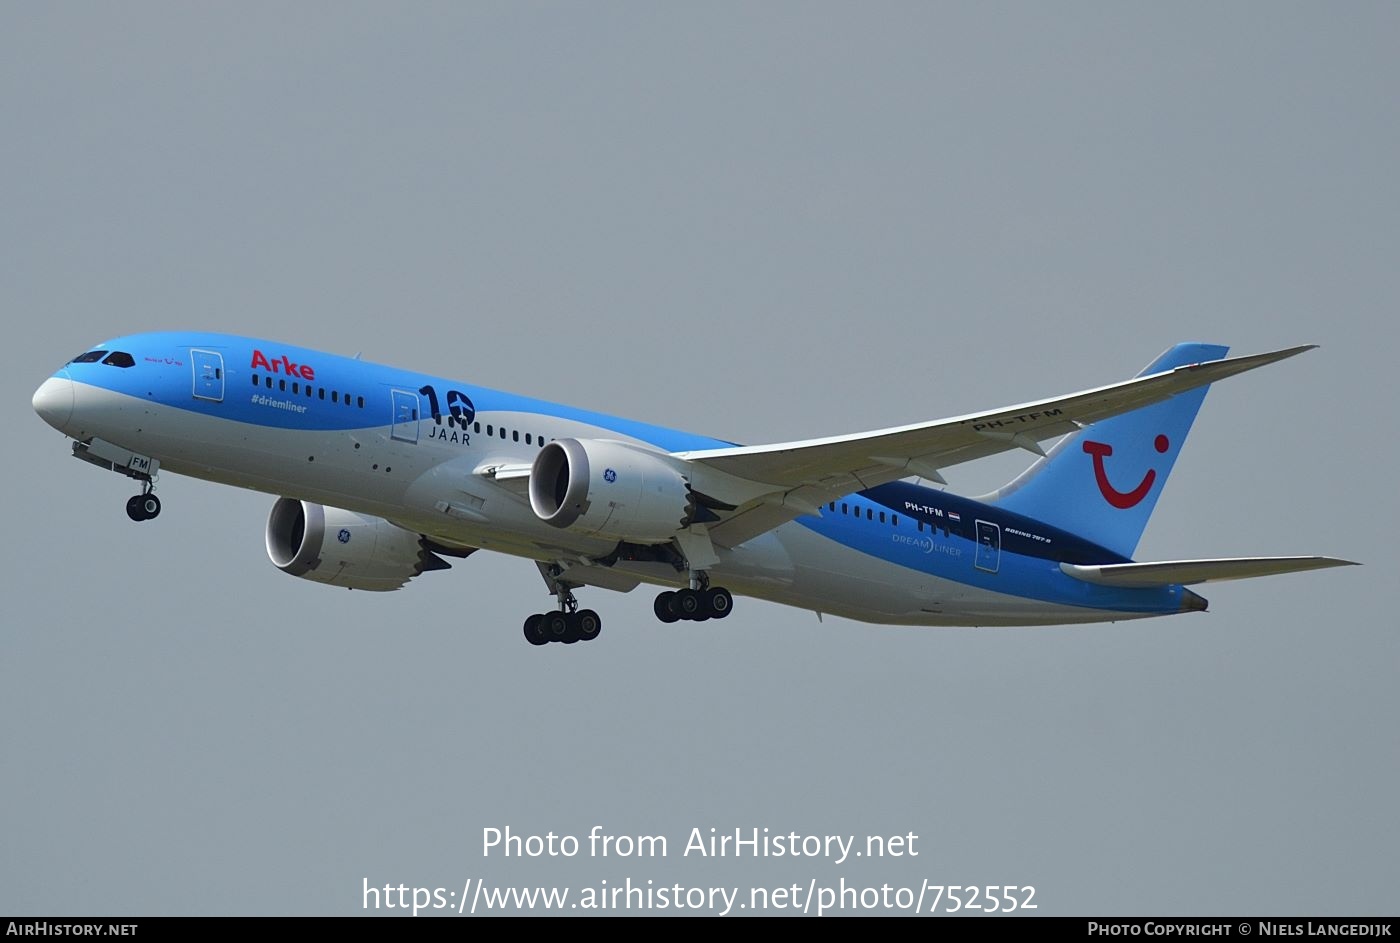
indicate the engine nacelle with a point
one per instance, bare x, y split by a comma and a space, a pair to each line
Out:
609, 489
343, 548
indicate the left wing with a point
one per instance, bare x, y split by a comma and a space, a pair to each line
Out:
767, 485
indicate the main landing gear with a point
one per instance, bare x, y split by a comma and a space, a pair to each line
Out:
144, 506
569, 624
699, 602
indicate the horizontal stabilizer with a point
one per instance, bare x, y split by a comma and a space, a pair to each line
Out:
1188, 572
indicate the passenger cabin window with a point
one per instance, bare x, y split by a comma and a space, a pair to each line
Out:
255, 379
119, 358
282, 386
360, 402
268, 382
91, 356
335, 397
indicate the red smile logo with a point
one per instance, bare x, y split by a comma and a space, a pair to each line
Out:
1122, 499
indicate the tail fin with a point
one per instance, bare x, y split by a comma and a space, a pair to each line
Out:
1103, 481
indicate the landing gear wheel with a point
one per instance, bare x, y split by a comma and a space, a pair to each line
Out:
719, 602
150, 506
555, 626
534, 632
134, 509
688, 604
665, 607
587, 625
571, 634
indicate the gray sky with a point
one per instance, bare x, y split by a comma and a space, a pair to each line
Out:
762, 222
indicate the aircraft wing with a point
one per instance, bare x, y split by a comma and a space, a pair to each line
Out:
792, 479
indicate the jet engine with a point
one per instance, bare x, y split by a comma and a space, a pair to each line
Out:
610, 489
343, 548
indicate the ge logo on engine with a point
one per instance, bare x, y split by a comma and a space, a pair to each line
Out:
609, 475
343, 536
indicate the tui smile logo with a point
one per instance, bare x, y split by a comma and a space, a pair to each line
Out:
1122, 499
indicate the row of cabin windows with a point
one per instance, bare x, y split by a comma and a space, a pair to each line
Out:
869, 513
491, 430
316, 392
338, 397
893, 519
514, 434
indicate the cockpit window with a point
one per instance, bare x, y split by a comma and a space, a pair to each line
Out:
119, 358
91, 356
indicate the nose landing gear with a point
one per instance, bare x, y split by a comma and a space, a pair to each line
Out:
144, 506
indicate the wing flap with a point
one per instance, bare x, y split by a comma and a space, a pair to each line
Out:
1190, 572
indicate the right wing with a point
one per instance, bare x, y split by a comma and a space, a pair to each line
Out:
766, 485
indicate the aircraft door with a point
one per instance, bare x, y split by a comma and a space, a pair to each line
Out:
988, 547
405, 421
208, 375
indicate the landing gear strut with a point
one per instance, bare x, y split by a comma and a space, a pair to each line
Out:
568, 624
144, 506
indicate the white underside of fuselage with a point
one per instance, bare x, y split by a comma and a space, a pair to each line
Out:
430, 486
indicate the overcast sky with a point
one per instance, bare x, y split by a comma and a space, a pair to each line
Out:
761, 222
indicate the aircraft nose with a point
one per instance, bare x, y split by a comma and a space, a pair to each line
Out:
53, 400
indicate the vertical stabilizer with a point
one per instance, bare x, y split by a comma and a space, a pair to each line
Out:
1102, 482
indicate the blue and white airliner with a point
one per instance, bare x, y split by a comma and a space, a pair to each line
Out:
381, 474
